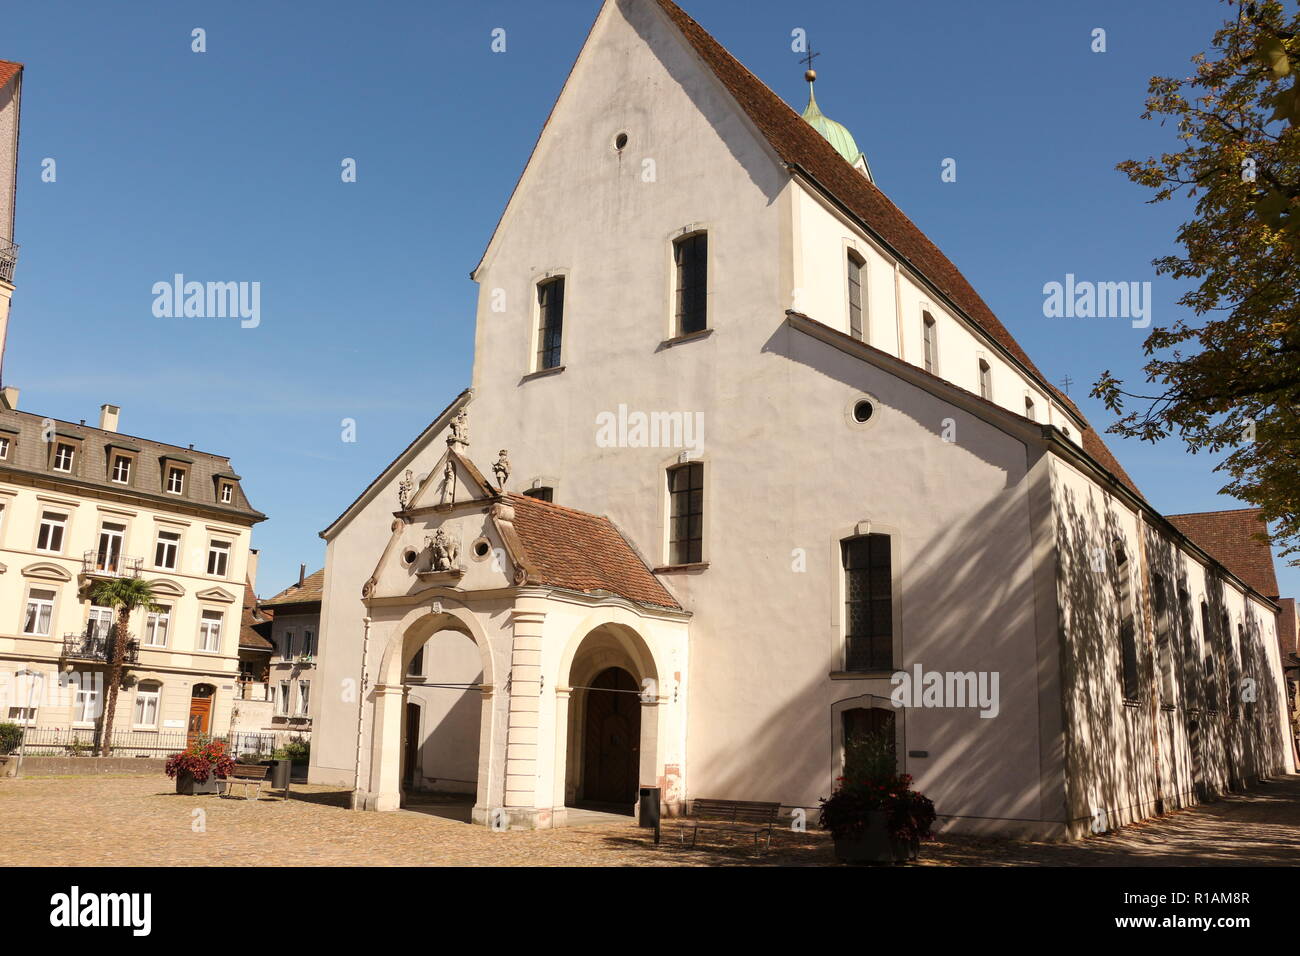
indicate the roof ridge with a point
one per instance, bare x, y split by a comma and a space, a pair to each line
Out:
107, 431
551, 504
1218, 511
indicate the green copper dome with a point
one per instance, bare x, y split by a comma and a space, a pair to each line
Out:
834, 133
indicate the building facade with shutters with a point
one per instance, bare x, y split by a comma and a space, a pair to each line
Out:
744, 459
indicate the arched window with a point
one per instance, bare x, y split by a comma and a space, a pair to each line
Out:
868, 603
857, 272
929, 337
550, 322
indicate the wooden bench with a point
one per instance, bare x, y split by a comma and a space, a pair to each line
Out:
245, 776
738, 815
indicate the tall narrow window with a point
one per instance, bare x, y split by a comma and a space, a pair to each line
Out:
1127, 629
304, 696
1029, 409
147, 697
308, 639
868, 603
691, 253
1164, 646
869, 735
288, 645
283, 704
686, 494
1191, 661
930, 343
856, 269
550, 311
155, 628
986, 380
1208, 642
4, 448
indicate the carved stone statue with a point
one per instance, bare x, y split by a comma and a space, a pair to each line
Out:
448, 482
444, 550
404, 490
502, 469
459, 429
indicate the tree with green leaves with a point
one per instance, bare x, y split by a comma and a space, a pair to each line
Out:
1227, 378
125, 596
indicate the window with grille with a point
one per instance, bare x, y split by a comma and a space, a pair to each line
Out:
691, 253
686, 498
550, 311
868, 603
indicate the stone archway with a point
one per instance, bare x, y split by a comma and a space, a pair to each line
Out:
389, 698
608, 715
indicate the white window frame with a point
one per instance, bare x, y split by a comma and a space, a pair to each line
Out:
174, 546
120, 459
304, 697
24, 717
287, 650
58, 457
84, 698
282, 703
4, 448
157, 621
227, 492
308, 636
56, 521
221, 551
211, 624
39, 603
175, 471
143, 697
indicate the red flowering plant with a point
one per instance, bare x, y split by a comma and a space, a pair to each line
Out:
872, 784
201, 759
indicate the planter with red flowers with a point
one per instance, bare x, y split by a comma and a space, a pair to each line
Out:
198, 768
874, 815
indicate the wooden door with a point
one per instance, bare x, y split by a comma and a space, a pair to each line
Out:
200, 713
613, 739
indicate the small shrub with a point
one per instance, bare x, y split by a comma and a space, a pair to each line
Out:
11, 735
298, 749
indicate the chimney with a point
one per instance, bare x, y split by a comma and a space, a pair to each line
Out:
302, 574
108, 415
9, 395
253, 555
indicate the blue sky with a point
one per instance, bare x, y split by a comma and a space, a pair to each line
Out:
225, 165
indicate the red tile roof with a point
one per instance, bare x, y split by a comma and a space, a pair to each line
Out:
1230, 538
249, 621
583, 552
309, 592
1288, 639
801, 146
8, 70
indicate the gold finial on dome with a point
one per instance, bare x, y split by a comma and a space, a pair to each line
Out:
810, 76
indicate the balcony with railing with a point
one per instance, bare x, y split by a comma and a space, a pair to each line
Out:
8, 259
109, 564
95, 643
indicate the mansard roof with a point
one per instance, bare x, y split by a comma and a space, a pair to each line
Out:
1230, 537
800, 146
578, 551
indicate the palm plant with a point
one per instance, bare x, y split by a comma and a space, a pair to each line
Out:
124, 596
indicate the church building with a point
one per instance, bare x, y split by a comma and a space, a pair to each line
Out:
746, 466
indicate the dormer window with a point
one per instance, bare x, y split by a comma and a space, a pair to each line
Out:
63, 455
541, 493
227, 492
121, 472
4, 449
175, 480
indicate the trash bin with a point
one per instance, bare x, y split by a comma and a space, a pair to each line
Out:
280, 770
649, 807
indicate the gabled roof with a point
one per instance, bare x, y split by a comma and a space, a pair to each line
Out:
249, 621
309, 592
800, 146
583, 552
1230, 538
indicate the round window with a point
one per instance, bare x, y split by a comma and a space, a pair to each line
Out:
620, 141
862, 410
409, 555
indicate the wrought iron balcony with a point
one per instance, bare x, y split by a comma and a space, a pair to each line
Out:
8, 258
107, 564
95, 643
